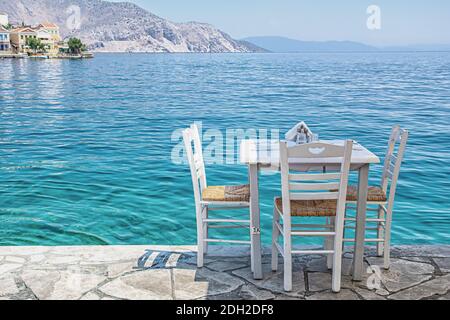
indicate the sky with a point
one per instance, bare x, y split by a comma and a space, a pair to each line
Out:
402, 22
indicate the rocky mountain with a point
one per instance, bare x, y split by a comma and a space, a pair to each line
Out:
122, 27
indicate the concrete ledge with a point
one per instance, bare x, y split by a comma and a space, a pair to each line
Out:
169, 272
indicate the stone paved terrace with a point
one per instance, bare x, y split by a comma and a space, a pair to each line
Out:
161, 272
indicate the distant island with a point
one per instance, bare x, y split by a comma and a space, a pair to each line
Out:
287, 45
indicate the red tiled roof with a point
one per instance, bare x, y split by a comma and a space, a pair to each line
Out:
49, 25
23, 29
3, 30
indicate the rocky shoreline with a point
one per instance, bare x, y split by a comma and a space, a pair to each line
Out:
44, 56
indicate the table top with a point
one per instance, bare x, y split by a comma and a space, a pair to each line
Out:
266, 153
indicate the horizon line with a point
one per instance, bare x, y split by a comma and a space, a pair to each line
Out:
351, 41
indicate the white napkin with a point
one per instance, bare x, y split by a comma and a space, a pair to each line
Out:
291, 135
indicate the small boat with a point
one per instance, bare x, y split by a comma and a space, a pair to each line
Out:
39, 57
87, 55
70, 56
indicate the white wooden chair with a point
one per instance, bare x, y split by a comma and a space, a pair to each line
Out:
311, 195
209, 198
380, 199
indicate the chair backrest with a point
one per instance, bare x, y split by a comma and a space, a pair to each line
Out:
393, 160
315, 186
194, 153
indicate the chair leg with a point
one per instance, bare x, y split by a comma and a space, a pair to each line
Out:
325, 242
200, 239
329, 246
205, 230
387, 240
387, 257
275, 236
287, 254
252, 244
380, 233
337, 256
287, 271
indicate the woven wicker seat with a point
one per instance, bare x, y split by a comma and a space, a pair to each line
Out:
227, 193
374, 194
310, 208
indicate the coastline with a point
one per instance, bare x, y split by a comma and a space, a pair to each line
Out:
88, 55
12, 56
93, 53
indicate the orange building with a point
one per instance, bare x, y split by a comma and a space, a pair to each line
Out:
52, 29
19, 37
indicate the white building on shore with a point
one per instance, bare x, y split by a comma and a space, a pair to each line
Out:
5, 45
4, 20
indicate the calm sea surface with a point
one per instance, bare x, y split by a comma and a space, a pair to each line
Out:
85, 146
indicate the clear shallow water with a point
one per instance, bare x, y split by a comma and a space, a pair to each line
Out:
85, 146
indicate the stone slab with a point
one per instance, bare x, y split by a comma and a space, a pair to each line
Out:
170, 272
402, 273
443, 264
8, 286
435, 287
345, 294
60, 285
273, 281
141, 285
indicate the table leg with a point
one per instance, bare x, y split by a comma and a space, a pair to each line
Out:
358, 257
255, 222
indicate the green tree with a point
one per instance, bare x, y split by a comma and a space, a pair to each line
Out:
76, 46
42, 48
35, 44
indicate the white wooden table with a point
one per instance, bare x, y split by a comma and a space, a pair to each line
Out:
264, 155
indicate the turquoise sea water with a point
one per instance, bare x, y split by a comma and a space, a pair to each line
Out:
85, 146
